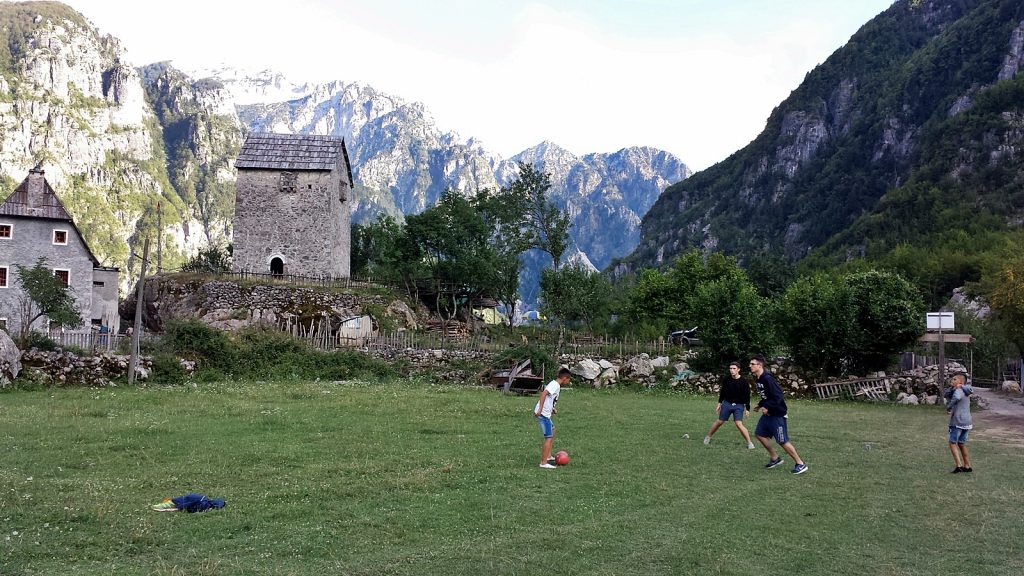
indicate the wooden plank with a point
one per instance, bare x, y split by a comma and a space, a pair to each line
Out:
947, 337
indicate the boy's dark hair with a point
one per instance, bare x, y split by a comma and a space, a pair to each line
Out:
736, 364
758, 358
564, 372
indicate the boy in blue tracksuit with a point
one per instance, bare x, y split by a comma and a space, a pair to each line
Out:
958, 406
772, 423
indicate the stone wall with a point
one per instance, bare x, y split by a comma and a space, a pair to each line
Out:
31, 239
307, 226
230, 305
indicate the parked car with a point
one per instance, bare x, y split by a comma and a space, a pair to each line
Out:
687, 337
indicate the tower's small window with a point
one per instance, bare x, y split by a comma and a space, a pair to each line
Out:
60, 237
288, 182
3, 276
5, 231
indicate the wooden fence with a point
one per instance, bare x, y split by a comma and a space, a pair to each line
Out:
93, 341
321, 338
864, 388
297, 280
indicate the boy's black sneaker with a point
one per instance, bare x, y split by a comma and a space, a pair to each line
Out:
967, 469
957, 470
773, 463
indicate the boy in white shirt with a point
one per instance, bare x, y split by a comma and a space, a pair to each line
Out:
544, 409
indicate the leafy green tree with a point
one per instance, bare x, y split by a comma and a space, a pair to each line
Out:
212, 259
816, 319
574, 294
734, 319
890, 317
1005, 291
453, 240
852, 323
771, 273
375, 248
547, 223
990, 347
43, 294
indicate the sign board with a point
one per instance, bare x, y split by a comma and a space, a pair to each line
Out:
939, 320
948, 338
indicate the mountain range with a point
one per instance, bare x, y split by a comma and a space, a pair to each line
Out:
905, 149
117, 141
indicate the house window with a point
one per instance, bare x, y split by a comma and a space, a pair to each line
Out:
60, 237
3, 323
3, 276
6, 230
289, 182
63, 275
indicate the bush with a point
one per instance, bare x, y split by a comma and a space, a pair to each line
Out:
36, 340
255, 353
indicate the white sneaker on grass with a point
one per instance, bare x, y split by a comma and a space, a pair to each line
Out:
707, 440
548, 466
750, 445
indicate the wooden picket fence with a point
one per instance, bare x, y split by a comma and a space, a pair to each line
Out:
92, 341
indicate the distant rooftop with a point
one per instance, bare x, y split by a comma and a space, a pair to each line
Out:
291, 152
34, 198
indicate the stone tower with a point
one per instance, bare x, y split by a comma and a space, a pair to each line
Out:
292, 210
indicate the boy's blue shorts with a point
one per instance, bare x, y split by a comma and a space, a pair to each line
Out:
957, 435
729, 408
773, 427
547, 427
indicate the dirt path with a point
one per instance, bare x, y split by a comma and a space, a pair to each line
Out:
1003, 417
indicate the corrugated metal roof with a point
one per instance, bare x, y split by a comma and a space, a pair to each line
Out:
291, 152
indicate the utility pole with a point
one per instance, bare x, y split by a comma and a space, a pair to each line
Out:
159, 239
133, 359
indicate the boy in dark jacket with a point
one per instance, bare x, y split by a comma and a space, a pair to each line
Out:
772, 423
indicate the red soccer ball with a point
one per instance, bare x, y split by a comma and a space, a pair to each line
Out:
562, 458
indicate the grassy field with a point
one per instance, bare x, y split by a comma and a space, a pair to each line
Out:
357, 478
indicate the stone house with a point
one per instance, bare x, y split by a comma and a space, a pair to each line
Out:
292, 209
34, 224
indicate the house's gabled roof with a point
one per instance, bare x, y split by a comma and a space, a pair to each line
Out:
267, 151
35, 199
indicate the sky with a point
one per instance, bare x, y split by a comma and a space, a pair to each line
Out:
697, 78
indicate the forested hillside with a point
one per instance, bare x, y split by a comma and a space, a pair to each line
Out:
903, 148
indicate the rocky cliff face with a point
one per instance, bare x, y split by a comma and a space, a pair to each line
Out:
881, 114
403, 162
117, 141
72, 103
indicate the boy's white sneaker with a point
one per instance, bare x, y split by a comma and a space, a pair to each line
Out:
548, 466
707, 440
750, 445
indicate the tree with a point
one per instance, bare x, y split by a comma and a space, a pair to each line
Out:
852, 323
734, 319
547, 223
890, 316
375, 248
815, 321
43, 294
573, 293
453, 240
1006, 294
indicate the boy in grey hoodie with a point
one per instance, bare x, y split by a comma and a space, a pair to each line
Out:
958, 406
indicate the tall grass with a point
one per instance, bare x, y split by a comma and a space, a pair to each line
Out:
402, 478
